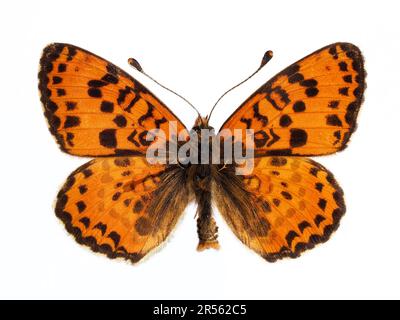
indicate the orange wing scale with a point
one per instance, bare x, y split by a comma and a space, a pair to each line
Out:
301, 202
94, 108
310, 108
104, 204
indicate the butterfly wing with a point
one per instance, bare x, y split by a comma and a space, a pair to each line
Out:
122, 207
310, 108
94, 108
284, 207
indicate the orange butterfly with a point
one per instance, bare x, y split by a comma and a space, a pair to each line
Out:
121, 205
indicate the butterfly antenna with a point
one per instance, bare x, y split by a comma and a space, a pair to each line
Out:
267, 57
134, 63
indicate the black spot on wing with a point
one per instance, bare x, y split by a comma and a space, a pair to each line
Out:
102, 227
285, 121
115, 237
286, 195
297, 77
347, 78
96, 83
81, 206
94, 92
322, 203
290, 237
333, 120
333, 104
298, 137
294, 68
70, 105
61, 92
319, 186
303, 225
110, 78
87, 173
107, 106
309, 83
138, 206
311, 92
57, 80
318, 219
62, 67
344, 91
122, 162
299, 106
83, 189
260, 117
108, 138
120, 121
278, 161
71, 121
343, 66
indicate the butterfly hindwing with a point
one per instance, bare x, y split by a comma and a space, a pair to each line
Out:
122, 207
285, 206
94, 108
310, 108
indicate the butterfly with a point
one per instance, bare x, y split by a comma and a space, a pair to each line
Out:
121, 205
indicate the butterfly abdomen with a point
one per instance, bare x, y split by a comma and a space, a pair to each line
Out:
207, 230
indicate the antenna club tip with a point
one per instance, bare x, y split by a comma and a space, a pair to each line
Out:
134, 63
267, 56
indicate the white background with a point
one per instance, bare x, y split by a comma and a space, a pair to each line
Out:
199, 49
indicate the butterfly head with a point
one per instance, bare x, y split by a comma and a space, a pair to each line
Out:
201, 123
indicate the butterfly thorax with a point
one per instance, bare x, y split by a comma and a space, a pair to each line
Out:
202, 136
200, 171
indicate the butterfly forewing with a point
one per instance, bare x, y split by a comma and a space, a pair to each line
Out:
94, 108
310, 108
